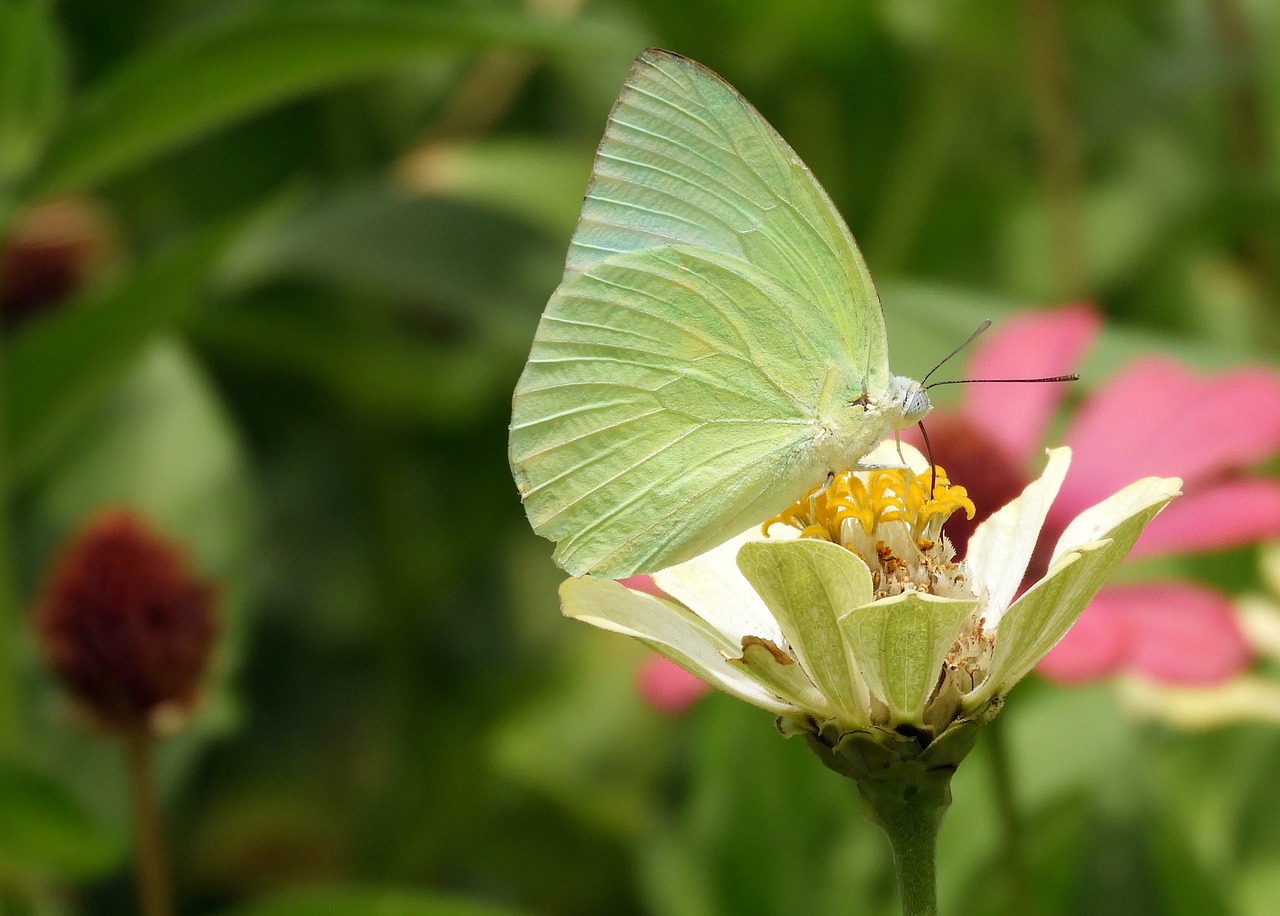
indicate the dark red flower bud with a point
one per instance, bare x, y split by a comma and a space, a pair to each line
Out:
52, 251
126, 626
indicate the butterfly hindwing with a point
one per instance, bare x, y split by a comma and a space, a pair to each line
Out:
660, 405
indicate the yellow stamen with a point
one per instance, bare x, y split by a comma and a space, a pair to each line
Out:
888, 495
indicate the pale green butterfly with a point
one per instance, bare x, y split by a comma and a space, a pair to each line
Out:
715, 348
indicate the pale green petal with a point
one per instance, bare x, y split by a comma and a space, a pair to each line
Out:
712, 586
667, 628
782, 676
1001, 546
1043, 615
809, 585
899, 645
1095, 523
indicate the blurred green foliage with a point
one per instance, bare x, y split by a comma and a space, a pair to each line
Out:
329, 230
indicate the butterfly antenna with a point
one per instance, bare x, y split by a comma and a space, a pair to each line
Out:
980, 381
1073, 377
933, 474
972, 337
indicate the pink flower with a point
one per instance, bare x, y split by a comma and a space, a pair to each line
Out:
1154, 417
667, 687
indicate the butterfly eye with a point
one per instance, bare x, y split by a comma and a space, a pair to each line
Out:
909, 400
918, 405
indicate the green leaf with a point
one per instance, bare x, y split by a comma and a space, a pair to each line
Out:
587, 739
198, 82
447, 386
529, 177
162, 444
370, 902
809, 585
45, 832
1102, 536
899, 645
59, 368
376, 238
33, 83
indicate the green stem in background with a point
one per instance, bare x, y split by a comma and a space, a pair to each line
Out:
1059, 137
10, 667
1010, 823
152, 857
488, 90
1242, 105
908, 802
911, 185
10, 684
1247, 129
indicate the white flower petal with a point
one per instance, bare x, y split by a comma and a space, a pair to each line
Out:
712, 586
668, 628
1043, 615
1001, 546
1094, 523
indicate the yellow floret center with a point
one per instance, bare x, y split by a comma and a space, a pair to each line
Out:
872, 498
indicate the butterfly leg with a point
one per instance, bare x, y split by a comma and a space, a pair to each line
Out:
879, 466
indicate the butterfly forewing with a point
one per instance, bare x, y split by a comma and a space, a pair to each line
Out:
685, 159
714, 325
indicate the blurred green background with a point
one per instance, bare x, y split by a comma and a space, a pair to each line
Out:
301, 249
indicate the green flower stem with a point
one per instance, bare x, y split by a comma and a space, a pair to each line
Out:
908, 802
906, 789
152, 863
1010, 822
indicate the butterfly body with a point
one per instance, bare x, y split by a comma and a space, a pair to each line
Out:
855, 425
715, 347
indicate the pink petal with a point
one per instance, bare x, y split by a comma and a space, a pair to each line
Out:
1158, 418
1171, 633
1028, 346
1094, 648
1183, 634
643, 584
1223, 516
667, 687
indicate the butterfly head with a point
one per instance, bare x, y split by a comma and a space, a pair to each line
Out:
908, 399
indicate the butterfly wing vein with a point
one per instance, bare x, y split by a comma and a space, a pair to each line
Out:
710, 295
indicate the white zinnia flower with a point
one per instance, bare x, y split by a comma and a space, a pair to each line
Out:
853, 617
